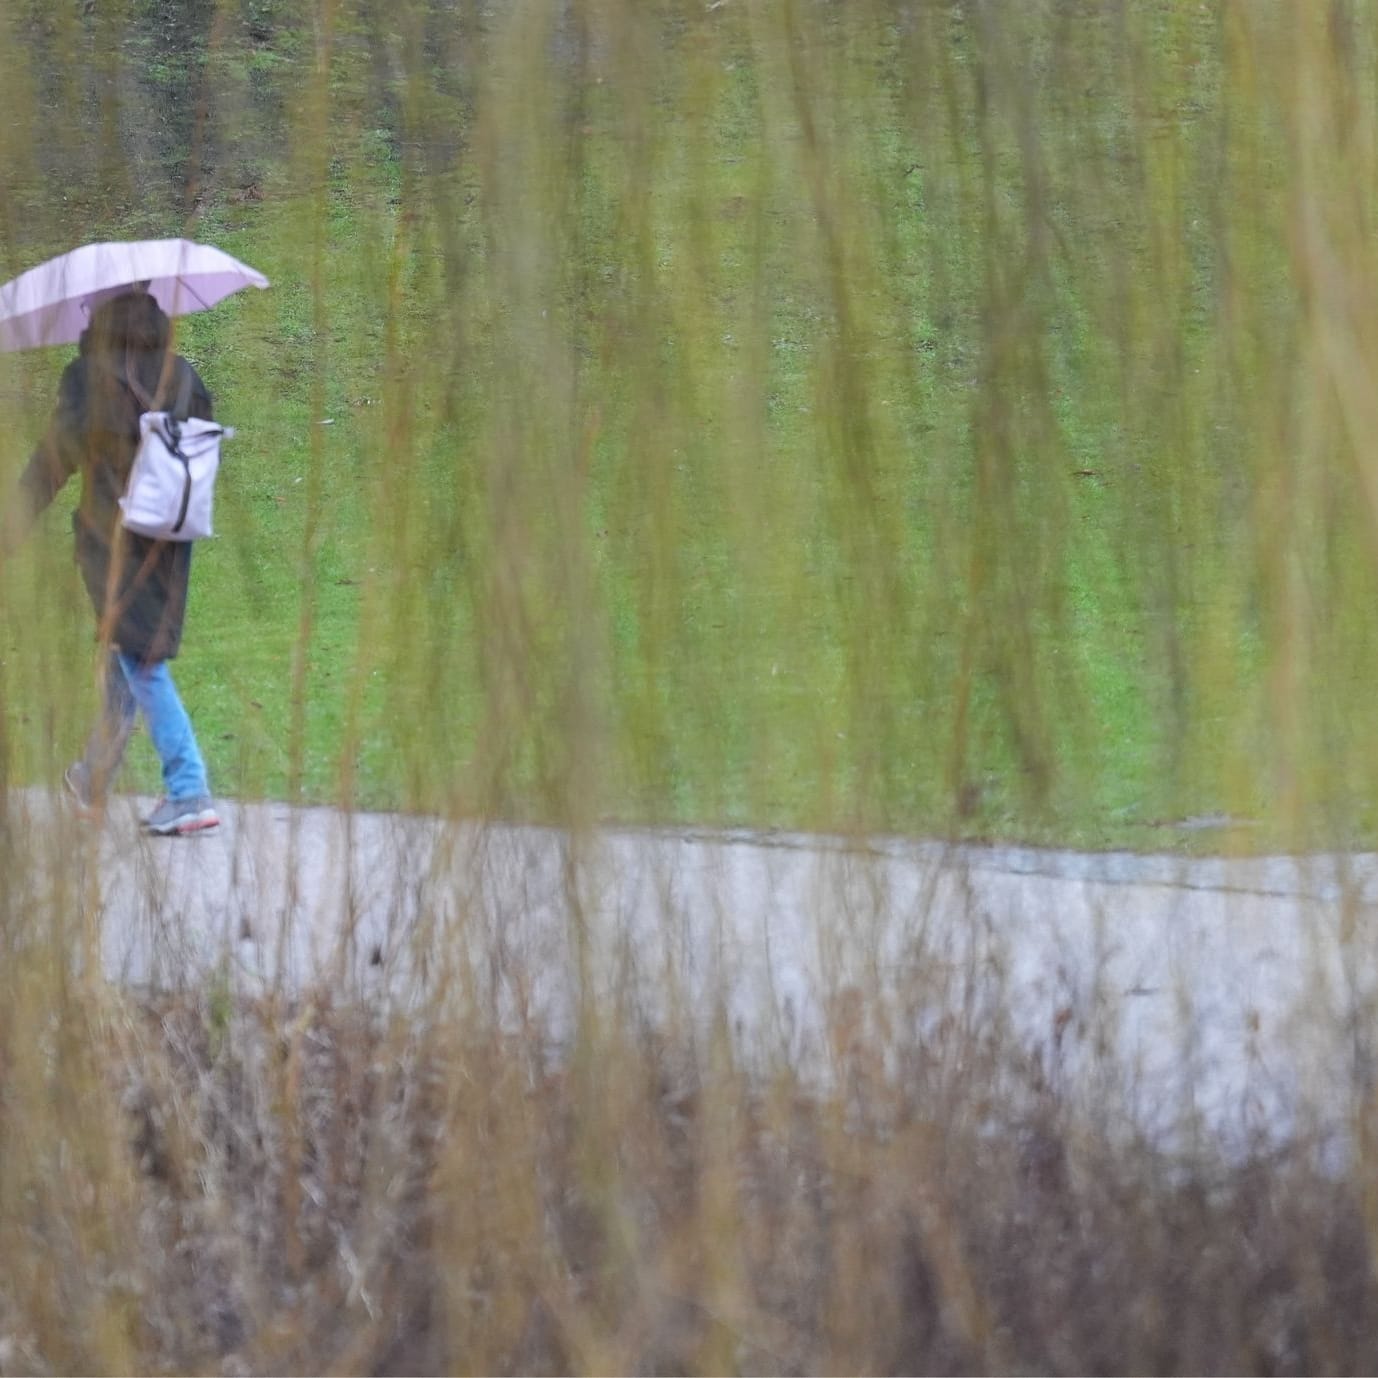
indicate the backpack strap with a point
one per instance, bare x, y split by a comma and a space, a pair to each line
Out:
182, 407
131, 381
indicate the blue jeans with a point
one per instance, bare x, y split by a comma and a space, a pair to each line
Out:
133, 687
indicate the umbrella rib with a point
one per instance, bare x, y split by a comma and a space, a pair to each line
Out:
183, 282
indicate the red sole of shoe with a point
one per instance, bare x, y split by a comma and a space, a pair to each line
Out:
199, 827
183, 830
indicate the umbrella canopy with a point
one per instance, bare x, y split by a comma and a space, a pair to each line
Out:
52, 304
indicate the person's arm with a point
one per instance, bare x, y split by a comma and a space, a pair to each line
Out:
53, 462
200, 405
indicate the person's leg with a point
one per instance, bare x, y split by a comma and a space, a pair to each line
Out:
106, 745
151, 686
89, 778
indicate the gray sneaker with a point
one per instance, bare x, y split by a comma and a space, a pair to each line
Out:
182, 816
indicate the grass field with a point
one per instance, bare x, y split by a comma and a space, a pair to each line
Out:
869, 421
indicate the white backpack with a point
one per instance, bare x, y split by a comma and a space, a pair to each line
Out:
172, 482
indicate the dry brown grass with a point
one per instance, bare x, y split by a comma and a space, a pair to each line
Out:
276, 1186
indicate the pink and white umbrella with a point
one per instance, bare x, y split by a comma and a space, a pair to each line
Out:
52, 304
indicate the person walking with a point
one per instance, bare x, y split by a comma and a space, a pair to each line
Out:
137, 586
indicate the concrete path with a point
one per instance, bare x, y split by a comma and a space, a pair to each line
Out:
1237, 993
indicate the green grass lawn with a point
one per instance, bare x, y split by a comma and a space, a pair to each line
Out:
834, 423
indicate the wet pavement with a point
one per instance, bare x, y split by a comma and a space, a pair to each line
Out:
1233, 995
